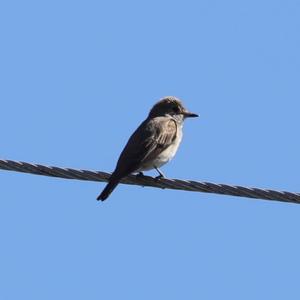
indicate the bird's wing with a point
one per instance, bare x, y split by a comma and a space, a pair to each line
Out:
165, 132
150, 139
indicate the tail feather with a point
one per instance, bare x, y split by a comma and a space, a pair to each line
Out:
108, 189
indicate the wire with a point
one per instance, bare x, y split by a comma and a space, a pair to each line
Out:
175, 184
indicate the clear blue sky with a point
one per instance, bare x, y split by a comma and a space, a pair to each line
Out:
77, 77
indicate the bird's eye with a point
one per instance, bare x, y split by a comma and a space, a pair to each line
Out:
175, 109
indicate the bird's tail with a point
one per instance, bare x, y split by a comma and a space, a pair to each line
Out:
108, 189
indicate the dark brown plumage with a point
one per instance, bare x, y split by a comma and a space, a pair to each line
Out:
153, 143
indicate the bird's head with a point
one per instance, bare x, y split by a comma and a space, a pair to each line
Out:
170, 106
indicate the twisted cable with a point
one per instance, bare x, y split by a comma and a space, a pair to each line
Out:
165, 183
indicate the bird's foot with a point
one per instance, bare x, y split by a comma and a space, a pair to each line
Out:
140, 174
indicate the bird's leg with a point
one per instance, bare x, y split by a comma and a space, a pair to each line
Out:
161, 174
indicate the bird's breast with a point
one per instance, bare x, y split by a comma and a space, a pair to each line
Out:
165, 156
170, 152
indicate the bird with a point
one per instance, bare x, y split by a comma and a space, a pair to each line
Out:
153, 144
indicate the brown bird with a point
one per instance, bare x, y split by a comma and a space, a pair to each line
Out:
153, 144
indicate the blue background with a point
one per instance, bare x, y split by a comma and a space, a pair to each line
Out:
77, 77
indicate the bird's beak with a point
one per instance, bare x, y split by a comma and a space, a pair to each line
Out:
188, 114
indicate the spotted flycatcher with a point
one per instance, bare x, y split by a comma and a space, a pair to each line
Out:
153, 144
